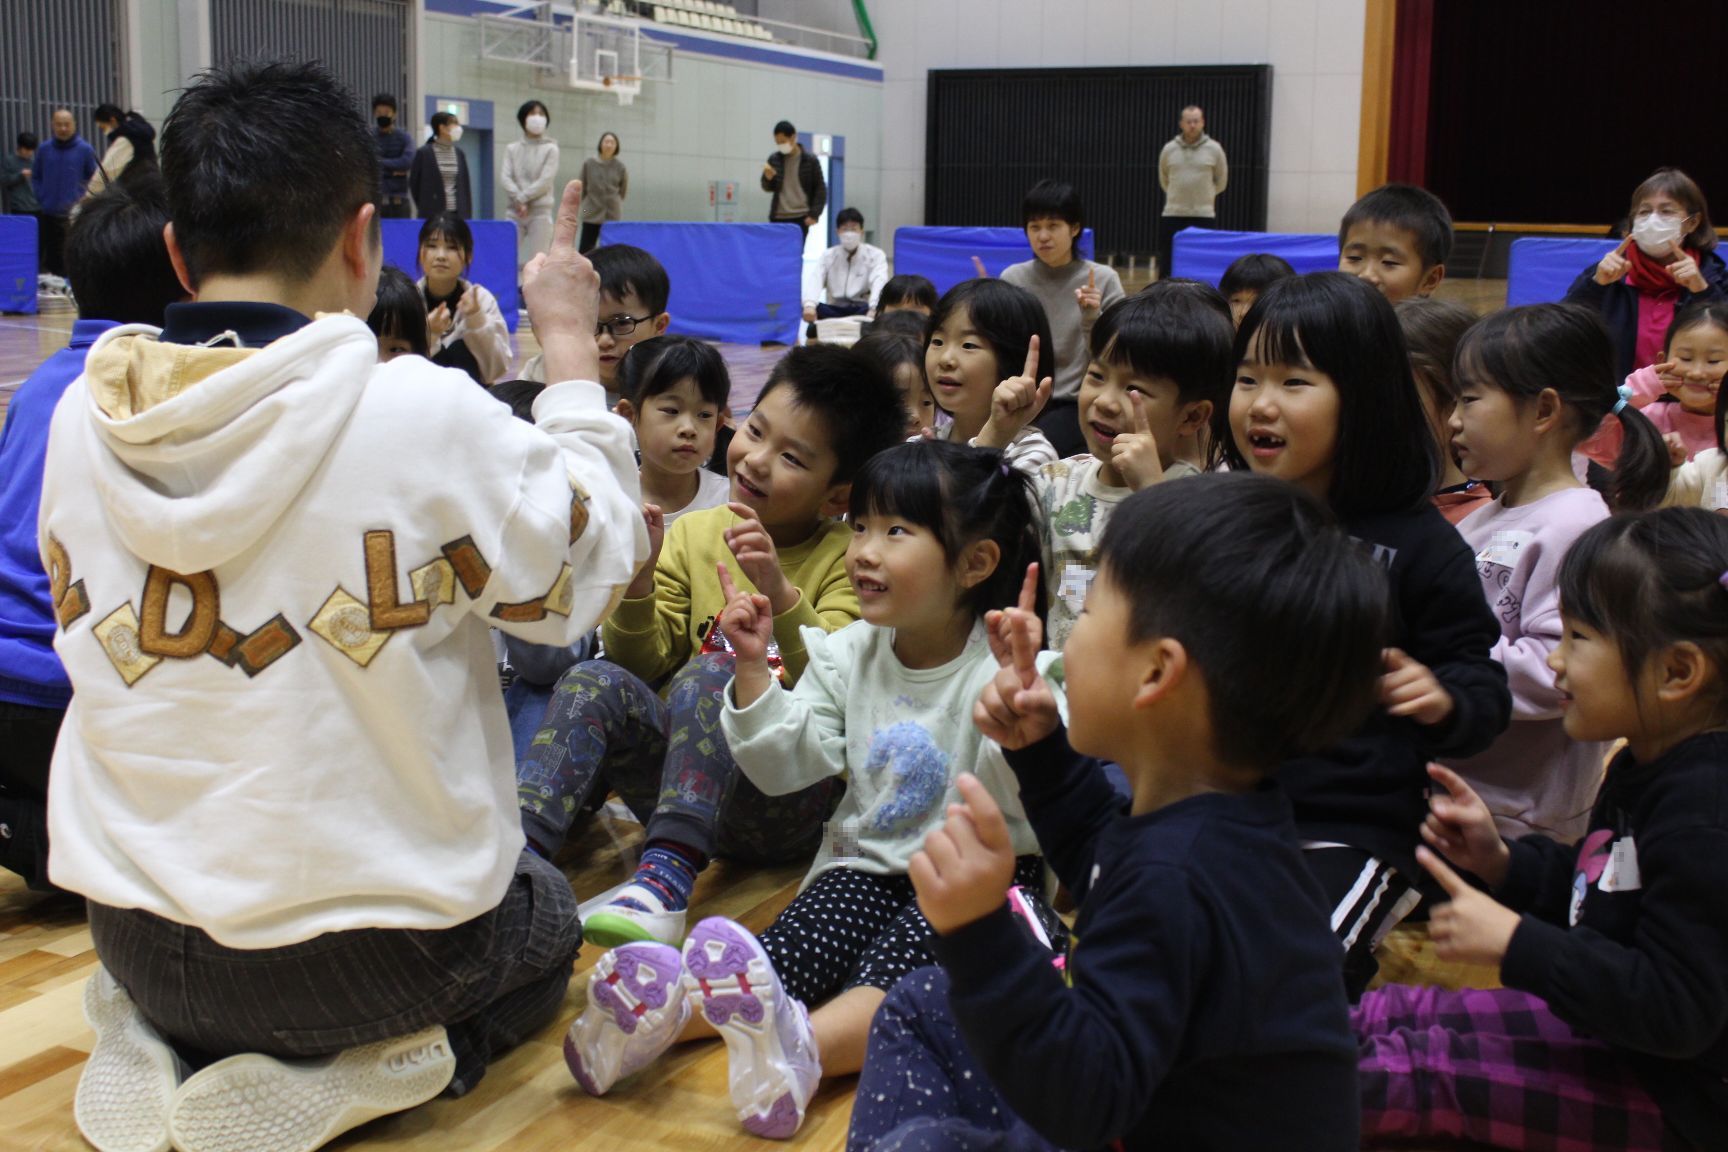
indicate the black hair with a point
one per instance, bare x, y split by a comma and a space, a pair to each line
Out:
906, 288
250, 187
28, 140
400, 312
1651, 580
1566, 348
891, 350
1052, 198
384, 99
116, 259
856, 402
1285, 588
1253, 272
519, 395
1433, 329
1006, 316
784, 128
527, 109
439, 119
626, 270
450, 228
1172, 330
904, 322
1693, 315
617, 144
658, 364
111, 113
1415, 210
963, 495
1386, 459
849, 216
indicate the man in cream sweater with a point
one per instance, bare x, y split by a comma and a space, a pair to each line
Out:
1192, 171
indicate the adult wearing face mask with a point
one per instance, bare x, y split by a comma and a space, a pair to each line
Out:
852, 271
605, 183
794, 178
1667, 260
438, 180
395, 157
530, 171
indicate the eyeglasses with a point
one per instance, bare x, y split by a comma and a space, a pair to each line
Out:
620, 326
1664, 213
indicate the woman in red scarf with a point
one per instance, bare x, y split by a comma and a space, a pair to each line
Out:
1667, 260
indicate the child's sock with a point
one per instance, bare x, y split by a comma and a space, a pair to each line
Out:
667, 869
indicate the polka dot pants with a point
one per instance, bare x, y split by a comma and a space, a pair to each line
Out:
853, 929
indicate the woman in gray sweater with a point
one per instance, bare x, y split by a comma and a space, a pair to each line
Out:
530, 181
605, 183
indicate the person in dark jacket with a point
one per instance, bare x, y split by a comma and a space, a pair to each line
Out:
438, 178
395, 157
59, 177
801, 199
1666, 260
16, 195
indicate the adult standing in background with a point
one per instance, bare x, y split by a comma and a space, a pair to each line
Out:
605, 183
1192, 171
438, 179
61, 174
118, 145
530, 170
395, 157
794, 178
16, 196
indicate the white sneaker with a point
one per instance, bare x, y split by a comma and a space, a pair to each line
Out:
636, 1008
613, 924
770, 1048
256, 1103
129, 1080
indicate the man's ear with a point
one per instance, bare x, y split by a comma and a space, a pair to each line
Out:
178, 258
358, 237
1165, 667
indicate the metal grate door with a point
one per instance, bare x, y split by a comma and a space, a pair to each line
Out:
366, 43
58, 54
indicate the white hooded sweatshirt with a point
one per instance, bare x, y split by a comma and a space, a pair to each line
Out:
303, 733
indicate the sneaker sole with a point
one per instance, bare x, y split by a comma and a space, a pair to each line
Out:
633, 991
128, 1084
740, 996
612, 930
253, 1103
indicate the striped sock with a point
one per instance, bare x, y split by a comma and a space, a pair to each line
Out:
669, 871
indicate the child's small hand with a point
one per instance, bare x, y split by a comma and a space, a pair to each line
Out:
810, 314
999, 625
1471, 927
438, 321
1460, 827
1134, 454
1676, 449
1686, 274
1614, 266
754, 550
643, 584
978, 267
964, 870
1668, 372
747, 620
1089, 298
1409, 689
1016, 402
1016, 708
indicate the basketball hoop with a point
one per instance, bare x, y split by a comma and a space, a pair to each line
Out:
624, 87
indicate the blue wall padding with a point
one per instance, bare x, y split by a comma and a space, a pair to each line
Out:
494, 264
944, 255
1541, 268
736, 283
18, 263
1205, 254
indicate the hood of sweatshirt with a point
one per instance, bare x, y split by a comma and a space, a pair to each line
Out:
1204, 139
199, 450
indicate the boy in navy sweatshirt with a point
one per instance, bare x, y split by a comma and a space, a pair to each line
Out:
1204, 976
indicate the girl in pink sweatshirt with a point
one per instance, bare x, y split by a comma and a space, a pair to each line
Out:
1533, 383
1694, 360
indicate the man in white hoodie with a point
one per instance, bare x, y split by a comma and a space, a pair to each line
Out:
285, 781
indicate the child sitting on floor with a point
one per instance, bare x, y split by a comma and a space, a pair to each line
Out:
1397, 238
634, 291
940, 533
988, 358
673, 390
399, 317
1247, 277
464, 327
1204, 975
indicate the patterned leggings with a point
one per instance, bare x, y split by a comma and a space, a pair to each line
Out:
1495, 1067
668, 761
852, 929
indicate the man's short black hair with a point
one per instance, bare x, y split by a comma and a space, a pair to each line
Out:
1253, 272
116, 259
109, 114
1285, 589
784, 128
265, 165
626, 269
1415, 210
852, 396
28, 140
1052, 198
384, 100
849, 216
1175, 330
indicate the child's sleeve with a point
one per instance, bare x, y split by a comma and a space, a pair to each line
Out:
1069, 803
1686, 485
829, 606
1030, 450
1103, 1046
1538, 880
1525, 658
786, 741
1647, 386
1665, 992
650, 635
1449, 628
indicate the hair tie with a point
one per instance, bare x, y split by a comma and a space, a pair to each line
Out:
1625, 391
1723, 580
1006, 469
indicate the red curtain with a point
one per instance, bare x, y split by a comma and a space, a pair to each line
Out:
1412, 68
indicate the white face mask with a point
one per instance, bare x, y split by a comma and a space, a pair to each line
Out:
783, 149
850, 240
1657, 235
536, 124
455, 133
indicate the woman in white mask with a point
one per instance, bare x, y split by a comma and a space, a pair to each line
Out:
1667, 259
605, 183
530, 180
438, 180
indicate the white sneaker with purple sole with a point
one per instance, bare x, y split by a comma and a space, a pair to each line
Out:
636, 1008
